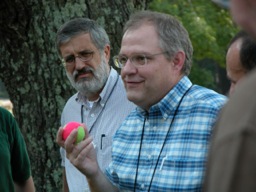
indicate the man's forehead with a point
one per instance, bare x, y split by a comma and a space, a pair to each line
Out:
223, 3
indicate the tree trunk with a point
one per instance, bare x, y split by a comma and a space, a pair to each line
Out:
33, 75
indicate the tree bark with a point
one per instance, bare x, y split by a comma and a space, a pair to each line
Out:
33, 75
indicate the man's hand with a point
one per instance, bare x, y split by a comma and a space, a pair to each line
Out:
82, 155
59, 139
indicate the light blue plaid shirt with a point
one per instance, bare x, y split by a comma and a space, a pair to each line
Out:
182, 162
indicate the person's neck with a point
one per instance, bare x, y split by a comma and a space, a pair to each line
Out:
93, 97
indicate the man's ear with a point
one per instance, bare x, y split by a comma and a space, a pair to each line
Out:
179, 60
107, 52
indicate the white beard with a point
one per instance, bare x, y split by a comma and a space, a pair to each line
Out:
91, 86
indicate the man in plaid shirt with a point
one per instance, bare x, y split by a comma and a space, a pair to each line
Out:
163, 144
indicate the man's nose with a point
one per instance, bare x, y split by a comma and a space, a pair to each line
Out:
78, 62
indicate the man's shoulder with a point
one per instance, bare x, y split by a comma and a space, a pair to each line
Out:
72, 103
3, 111
72, 99
207, 96
206, 92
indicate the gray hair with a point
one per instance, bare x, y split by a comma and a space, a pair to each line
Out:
79, 26
172, 35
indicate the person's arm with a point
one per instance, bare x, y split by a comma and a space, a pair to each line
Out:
28, 186
60, 142
65, 183
99, 183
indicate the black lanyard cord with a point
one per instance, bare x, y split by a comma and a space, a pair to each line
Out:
175, 113
138, 160
82, 106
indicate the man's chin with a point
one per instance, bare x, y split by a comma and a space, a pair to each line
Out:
81, 79
132, 96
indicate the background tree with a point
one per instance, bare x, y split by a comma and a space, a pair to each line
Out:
33, 75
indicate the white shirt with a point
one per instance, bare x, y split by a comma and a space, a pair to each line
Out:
103, 118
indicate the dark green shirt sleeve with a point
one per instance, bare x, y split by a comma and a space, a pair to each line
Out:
15, 164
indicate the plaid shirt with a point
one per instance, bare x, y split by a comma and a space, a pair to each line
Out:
181, 164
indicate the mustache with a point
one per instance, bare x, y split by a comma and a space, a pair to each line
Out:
83, 71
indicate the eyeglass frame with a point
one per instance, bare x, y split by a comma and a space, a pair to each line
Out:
146, 57
69, 64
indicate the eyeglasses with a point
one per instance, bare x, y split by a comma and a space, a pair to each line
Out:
84, 56
137, 60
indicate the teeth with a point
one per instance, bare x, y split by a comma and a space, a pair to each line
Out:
88, 70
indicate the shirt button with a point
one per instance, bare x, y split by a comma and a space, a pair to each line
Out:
92, 115
149, 160
165, 116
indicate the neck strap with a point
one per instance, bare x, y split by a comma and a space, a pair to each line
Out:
141, 141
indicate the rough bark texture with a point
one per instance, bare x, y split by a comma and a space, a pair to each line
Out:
33, 75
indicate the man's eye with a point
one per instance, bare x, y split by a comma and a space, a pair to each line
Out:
139, 59
69, 59
85, 54
122, 60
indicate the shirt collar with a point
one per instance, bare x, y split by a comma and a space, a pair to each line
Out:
170, 102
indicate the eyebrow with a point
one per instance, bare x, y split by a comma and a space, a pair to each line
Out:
82, 51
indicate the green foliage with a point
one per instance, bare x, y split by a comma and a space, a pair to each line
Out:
202, 76
210, 28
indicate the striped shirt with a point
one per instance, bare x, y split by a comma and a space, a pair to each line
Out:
102, 118
181, 163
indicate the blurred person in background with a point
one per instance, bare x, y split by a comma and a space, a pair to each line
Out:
15, 170
231, 163
240, 58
